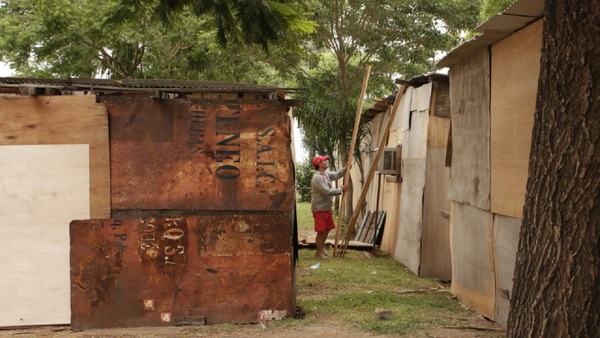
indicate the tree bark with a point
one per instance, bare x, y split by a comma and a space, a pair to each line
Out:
556, 289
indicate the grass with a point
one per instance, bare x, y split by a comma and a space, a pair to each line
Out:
347, 291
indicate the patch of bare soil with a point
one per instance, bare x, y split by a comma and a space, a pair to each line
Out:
484, 329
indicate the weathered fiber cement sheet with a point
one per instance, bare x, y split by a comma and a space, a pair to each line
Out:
516, 67
506, 243
77, 119
470, 102
200, 155
473, 278
157, 271
408, 246
42, 188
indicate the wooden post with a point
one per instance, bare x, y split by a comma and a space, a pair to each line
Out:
350, 231
351, 156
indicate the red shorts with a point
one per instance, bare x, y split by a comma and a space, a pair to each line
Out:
323, 220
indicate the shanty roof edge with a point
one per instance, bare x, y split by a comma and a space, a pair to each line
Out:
135, 85
519, 15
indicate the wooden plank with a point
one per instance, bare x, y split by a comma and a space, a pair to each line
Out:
441, 100
27, 120
44, 187
435, 243
506, 243
469, 98
437, 132
515, 69
473, 278
408, 246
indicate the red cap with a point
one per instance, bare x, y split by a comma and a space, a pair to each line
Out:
318, 159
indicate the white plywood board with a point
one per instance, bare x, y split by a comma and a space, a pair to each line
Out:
473, 278
470, 102
515, 73
42, 188
63, 119
408, 244
506, 243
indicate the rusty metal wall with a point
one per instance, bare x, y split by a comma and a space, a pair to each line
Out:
160, 271
202, 193
200, 155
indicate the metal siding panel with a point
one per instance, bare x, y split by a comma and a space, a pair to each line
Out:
198, 155
143, 271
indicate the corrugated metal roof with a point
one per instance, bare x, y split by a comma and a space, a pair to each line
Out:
166, 86
383, 104
517, 16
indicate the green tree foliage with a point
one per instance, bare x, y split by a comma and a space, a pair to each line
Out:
304, 174
124, 39
398, 38
250, 21
490, 8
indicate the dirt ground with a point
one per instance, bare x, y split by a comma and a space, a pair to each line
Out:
479, 328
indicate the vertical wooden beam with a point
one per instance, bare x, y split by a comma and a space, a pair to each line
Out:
351, 155
350, 231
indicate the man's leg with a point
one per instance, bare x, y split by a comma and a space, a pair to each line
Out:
320, 242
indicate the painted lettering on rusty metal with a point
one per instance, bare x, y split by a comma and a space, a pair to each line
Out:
227, 151
197, 129
163, 243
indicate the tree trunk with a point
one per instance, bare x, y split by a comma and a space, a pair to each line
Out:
556, 289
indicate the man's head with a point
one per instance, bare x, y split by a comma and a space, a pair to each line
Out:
318, 160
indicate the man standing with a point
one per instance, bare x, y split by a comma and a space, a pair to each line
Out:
321, 200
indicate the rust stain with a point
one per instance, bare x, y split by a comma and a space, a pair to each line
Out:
221, 267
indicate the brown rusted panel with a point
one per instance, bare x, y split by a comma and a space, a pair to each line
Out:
200, 155
156, 271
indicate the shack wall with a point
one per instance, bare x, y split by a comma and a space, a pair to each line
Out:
53, 168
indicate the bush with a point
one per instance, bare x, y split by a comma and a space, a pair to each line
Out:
304, 174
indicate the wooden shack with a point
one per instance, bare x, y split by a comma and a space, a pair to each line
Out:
145, 202
493, 82
416, 231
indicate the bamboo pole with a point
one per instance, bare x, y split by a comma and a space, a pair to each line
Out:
351, 156
350, 231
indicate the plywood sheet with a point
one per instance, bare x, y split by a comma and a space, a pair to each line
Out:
390, 202
43, 187
437, 132
470, 101
408, 246
435, 250
473, 278
200, 155
155, 271
515, 72
506, 243
440, 105
28, 120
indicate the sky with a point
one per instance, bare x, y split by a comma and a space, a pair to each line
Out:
5, 71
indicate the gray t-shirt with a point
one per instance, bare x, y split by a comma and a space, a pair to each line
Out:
322, 189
